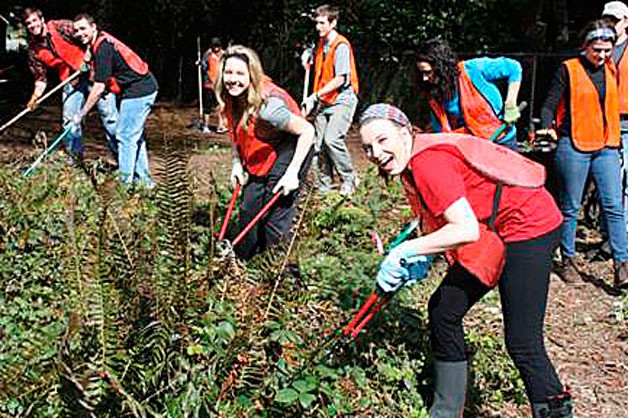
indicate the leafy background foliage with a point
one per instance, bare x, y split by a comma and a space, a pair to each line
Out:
116, 305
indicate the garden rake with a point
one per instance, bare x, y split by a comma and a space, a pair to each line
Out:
41, 99
48, 150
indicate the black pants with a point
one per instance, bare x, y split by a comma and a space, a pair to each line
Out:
274, 228
523, 289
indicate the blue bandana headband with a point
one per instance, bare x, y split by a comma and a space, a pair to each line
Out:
601, 33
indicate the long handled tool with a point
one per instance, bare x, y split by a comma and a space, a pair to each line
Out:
40, 100
225, 222
200, 80
376, 301
224, 245
306, 80
48, 150
256, 219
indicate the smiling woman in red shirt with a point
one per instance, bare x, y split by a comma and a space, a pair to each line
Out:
485, 207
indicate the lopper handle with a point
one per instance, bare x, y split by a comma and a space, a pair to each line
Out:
225, 222
256, 219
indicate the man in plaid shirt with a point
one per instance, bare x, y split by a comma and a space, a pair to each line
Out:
52, 45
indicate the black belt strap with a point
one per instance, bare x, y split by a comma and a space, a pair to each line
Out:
496, 197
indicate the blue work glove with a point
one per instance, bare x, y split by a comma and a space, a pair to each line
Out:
403, 266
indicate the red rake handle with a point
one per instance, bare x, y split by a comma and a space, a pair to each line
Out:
251, 224
225, 222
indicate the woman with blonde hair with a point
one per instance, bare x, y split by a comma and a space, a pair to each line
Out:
270, 149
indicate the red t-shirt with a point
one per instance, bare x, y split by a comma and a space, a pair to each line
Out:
442, 176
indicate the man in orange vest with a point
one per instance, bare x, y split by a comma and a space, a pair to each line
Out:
335, 95
617, 12
52, 45
118, 69
210, 64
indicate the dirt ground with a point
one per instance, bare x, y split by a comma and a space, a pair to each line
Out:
586, 334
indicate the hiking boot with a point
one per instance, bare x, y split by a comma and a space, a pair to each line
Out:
621, 274
568, 271
559, 406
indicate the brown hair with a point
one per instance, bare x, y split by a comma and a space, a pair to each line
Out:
331, 12
85, 16
31, 11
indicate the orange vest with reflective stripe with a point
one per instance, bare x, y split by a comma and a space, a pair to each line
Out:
622, 75
324, 68
479, 117
131, 59
65, 56
592, 128
484, 258
258, 155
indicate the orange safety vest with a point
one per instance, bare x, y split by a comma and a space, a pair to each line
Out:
212, 67
479, 117
622, 75
63, 55
131, 59
484, 258
324, 68
592, 128
257, 154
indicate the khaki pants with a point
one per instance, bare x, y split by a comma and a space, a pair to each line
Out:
330, 150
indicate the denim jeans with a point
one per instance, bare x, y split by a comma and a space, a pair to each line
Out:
573, 167
132, 155
73, 100
330, 149
624, 149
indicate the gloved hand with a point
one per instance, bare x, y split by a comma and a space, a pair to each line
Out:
511, 113
238, 174
309, 104
32, 102
306, 58
547, 132
288, 182
402, 266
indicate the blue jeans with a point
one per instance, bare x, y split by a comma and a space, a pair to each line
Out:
624, 149
73, 100
132, 155
573, 167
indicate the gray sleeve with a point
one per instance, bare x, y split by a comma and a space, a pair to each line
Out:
275, 112
342, 62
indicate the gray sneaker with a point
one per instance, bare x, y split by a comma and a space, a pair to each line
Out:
347, 188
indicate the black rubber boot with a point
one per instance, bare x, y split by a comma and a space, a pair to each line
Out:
559, 406
449, 389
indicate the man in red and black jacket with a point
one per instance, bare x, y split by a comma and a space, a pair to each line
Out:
52, 45
119, 69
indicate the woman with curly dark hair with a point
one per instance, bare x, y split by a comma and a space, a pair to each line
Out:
462, 95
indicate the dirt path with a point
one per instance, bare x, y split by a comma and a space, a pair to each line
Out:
586, 335
588, 340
